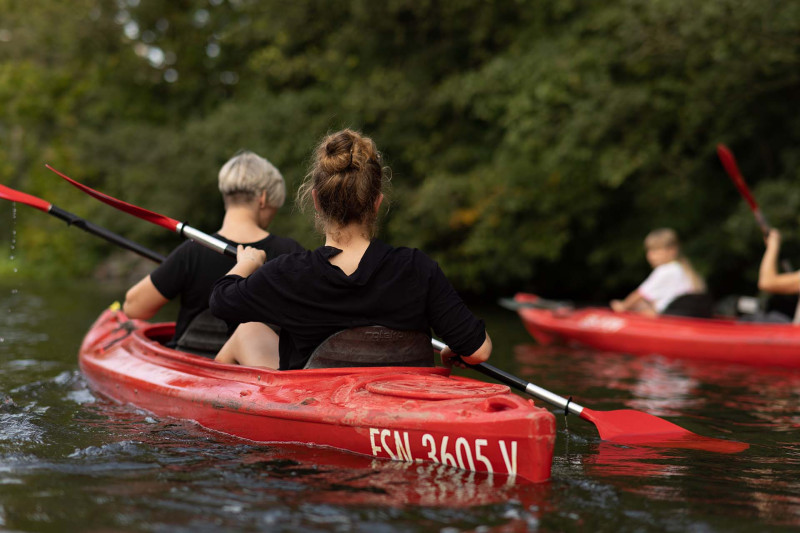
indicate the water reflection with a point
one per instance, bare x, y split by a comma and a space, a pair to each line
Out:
759, 406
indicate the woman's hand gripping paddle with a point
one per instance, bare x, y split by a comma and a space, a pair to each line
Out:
160, 220
625, 426
8, 193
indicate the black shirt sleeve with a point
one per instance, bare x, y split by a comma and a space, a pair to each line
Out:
169, 277
450, 318
236, 300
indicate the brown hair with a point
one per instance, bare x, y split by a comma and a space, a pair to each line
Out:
348, 177
667, 238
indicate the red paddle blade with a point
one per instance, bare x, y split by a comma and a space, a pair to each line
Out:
729, 162
160, 220
8, 193
627, 426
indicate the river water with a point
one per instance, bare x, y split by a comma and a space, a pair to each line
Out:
74, 461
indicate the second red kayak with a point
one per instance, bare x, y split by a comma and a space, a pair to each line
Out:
600, 328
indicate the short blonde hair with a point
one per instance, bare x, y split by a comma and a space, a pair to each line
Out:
247, 174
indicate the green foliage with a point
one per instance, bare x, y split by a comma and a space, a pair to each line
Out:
533, 144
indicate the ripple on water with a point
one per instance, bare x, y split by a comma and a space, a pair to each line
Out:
114, 450
19, 429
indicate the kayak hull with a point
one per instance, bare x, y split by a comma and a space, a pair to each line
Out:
405, 414
725, 341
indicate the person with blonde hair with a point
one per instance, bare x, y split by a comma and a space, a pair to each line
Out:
353, 281
252, 191
671, 278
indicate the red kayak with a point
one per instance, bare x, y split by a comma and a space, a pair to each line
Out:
691, 338
399, 413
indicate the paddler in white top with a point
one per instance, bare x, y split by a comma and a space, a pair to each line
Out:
672, 276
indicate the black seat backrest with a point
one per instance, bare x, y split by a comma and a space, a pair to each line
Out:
696, 305
204, 336
373, 346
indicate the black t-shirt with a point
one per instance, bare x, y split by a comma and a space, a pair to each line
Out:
311, 299
191, 270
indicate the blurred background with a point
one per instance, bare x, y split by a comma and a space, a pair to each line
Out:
533, 144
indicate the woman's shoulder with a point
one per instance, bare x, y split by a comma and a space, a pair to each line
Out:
276, 243
413, 257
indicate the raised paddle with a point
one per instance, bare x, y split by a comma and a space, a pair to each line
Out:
624, 426
8, 193
729, 162
171, 224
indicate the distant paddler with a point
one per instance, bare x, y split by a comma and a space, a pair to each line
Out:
673, 287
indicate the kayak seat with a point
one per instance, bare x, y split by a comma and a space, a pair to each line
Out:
372, 346
204, 336
694, 305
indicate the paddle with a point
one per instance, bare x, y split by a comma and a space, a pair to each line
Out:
626, 426
538, 303
171, 224
8, 193
729, 162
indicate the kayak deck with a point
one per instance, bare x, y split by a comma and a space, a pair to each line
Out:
399, 413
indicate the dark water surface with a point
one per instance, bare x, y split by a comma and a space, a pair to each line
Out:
71, 461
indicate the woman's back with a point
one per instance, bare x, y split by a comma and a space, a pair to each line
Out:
311, 299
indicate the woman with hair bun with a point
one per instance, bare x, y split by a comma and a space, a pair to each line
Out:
353, 280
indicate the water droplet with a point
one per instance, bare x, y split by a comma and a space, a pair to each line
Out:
14, 291
15, 270
12, 258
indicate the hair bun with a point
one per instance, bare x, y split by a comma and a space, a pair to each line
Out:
337, 155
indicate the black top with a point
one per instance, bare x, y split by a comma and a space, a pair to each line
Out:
191, 270
311, 299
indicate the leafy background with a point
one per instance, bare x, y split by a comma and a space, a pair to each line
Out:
533, 144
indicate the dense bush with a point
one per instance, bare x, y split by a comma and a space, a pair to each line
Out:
533, 143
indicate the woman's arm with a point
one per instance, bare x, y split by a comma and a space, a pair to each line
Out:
480, 355
143, 300
634, 302
234, 298
769, 279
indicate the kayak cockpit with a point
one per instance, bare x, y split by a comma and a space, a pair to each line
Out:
362, 347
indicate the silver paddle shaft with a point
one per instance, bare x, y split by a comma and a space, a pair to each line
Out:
522, 385
206, 240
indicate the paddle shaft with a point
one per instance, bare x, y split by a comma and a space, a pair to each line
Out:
521, 385
181, 228
206, 240
732, 168
74, 220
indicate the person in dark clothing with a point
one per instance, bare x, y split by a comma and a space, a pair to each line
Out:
353, 280
252, 190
